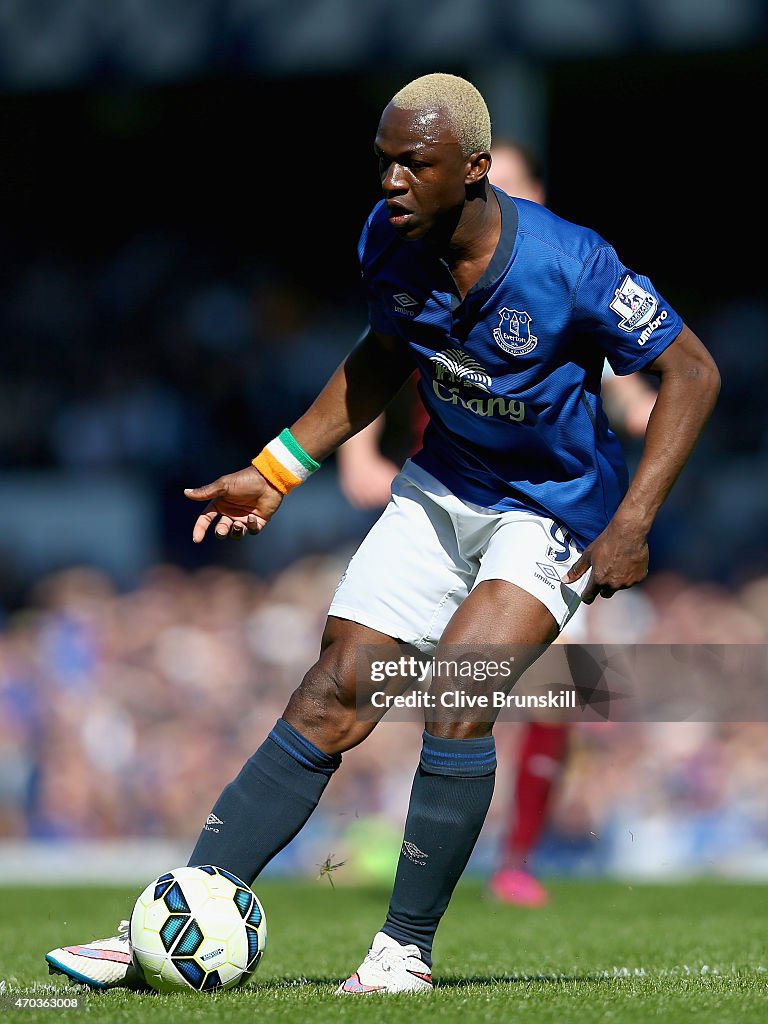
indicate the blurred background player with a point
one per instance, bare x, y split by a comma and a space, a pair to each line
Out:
365, 476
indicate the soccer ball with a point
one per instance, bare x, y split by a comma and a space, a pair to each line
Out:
199, 928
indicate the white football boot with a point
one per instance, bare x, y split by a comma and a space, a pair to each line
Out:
389, 967
101, 963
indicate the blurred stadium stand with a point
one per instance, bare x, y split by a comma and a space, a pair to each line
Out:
61, 42
121, 712
158, 329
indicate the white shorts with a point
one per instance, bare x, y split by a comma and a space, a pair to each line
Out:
429, 550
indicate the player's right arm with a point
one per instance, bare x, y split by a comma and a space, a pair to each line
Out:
359, 390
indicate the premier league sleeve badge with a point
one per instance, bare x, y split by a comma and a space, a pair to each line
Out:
634, 305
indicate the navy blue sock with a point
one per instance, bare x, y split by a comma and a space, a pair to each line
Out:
266, 805
450, 797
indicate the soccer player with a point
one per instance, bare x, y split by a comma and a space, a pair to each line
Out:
507, 312
365, 477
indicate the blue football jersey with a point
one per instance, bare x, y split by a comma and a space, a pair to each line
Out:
511, 375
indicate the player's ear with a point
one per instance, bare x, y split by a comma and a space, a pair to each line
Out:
478, 165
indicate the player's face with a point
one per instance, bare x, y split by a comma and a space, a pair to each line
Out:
423, 173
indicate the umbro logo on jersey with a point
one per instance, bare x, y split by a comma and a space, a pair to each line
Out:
212, 823
404, 304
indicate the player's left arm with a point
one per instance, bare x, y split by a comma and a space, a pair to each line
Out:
688, 389
357, 392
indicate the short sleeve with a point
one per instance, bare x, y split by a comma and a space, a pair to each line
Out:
630, 321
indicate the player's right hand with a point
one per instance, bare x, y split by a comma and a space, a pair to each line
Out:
245, 501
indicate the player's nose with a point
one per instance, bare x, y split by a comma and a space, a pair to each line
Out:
393, 179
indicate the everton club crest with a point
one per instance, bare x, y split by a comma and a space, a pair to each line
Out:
514, 332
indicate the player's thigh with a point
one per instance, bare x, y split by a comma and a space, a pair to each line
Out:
534, 553
409, 575
498, 632
517, 607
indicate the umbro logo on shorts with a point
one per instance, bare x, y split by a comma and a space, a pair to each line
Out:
548, 574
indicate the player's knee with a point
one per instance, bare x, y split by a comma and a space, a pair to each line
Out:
323, 706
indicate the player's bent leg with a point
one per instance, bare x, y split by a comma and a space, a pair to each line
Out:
534, 553
279, 786
453, 785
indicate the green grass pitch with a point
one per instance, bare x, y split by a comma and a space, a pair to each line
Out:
600, 952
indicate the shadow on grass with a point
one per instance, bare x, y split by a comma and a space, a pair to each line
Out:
516, 979
277, 984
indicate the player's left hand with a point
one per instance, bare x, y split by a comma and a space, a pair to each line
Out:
618, 559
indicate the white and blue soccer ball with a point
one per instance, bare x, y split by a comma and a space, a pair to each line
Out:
197, 928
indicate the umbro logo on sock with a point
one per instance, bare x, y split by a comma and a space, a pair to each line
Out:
414, 854
212, 822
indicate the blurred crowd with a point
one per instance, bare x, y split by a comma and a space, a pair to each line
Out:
123, 712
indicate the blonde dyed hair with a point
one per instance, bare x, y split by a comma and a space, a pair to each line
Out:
463, 103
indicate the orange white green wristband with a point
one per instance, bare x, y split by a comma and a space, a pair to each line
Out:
284, 463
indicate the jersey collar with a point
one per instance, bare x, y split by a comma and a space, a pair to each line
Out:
505, 245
